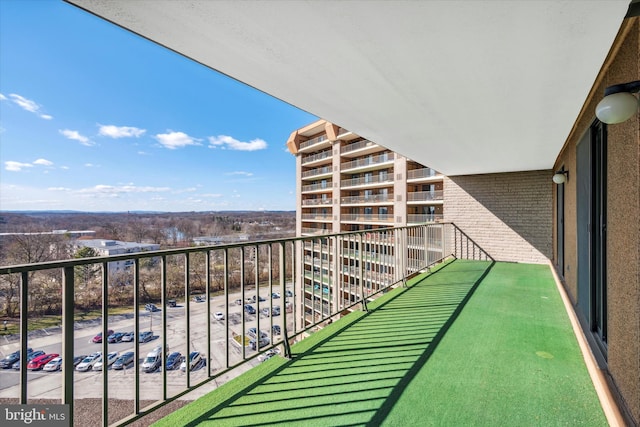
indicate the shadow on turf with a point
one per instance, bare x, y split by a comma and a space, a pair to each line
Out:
411, 340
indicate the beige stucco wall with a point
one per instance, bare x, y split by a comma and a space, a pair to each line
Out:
508, 214
623, 223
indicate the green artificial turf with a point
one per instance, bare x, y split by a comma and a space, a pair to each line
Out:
473, 343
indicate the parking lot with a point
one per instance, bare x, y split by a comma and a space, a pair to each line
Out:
121, 383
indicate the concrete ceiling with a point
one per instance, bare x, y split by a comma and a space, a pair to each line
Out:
465, 86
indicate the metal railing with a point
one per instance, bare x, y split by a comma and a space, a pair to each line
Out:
325, 170
328, 185
235, 275
367, 180
374, 198
421, 218
367, 217
422, 173
312, 141
318, 156
368, 161
357, 146
425, 196
316, 202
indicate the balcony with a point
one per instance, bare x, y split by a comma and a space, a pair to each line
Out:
368, 218
367, 163
447, 325
317, 158
360, 148
316, 202
324, 171
423, 218
375, 199
368, 181
420, 197
310, 188
423, 174
316, 143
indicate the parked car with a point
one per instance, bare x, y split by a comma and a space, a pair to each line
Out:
38, 363
195, 358
174, 360
199, 298
128, 337
275, 295
111, 358
151, 307
252, 333
12, 358
218, 315
153, 361
249, 309
238, 302
115, 337
275, 330
261, 299
264, 341
124, 360
30, 357
145, 336
98, 338
78, 359
54, 364
172, 303
268, 354
266, 312
275, 311
88, 362
288, 293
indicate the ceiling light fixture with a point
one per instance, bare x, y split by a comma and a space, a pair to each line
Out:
619, 104
560, 177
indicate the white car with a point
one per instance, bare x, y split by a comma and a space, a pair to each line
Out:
268, 354
111, 357
218, 315
53, 365
195, 359
88, 362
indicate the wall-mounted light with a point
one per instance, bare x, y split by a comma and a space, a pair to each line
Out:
619, 104
560, 177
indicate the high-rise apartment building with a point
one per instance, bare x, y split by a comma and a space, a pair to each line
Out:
348, 183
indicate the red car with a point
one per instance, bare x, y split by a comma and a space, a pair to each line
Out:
98, 338
40, 361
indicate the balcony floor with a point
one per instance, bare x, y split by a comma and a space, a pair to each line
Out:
470, 344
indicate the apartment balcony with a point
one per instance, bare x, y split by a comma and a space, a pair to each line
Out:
312, 231
318, 158
422, 197
368, 218
314, 144
423, 218
317, 217
360, 148
317, 188
377, 199
368, 163
367, 181
317, 202
423, 175
449, 339
322, 172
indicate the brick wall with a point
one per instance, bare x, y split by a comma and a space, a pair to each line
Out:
508, 214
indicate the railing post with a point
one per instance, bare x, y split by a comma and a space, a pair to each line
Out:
361, 273
67, 339
287, 348
105, 342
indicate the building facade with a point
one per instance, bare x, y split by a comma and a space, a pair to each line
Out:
347, 183
104, 247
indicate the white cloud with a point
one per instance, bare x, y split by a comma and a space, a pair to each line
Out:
43, 162
89, 165
76, 136
120, 131
173, 140
2, 97
64, 167
233, 144
240, 173
103, 189
28, 105
16, 166
58, 189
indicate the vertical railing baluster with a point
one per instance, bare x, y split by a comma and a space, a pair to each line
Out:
24, 334
225, 261
187, 318
68, 295
270, 279
207, 267
244, 311
287, 349
136, 333
105, 343
163, 298
256, 278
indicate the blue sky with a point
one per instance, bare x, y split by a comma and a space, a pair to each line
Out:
94, 118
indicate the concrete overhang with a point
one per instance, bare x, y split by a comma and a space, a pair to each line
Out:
465, 87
